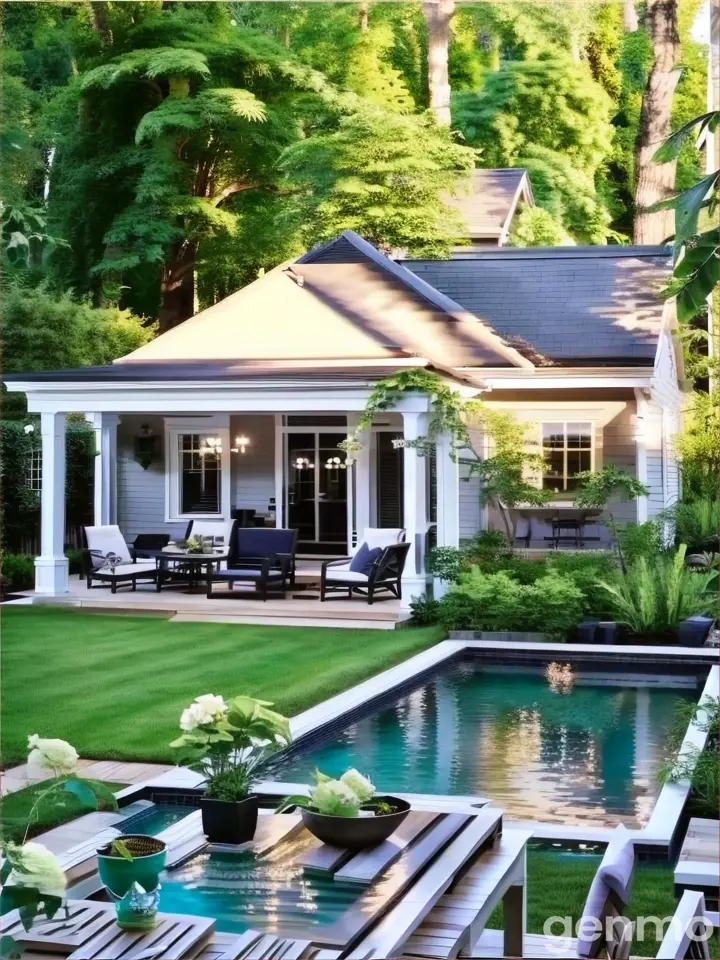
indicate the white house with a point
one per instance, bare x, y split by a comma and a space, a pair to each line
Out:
242, 406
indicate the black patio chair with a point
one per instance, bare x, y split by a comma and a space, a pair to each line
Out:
149, 541
385, 575
264, 556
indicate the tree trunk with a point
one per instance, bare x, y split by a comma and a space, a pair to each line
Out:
656, 181
100, 21
177, 286
630, 17
364, 16
712, 152
438, 14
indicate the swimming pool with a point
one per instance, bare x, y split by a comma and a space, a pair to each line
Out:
552, 742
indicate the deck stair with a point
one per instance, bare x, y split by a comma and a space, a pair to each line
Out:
448, 930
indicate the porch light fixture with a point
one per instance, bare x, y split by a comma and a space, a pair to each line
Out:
241, 444
302, 463
211, 445
335, 463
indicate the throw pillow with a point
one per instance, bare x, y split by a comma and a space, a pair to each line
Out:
364, 558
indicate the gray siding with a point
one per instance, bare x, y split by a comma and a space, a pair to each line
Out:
141, 493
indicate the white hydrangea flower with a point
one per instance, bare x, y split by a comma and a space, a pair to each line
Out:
41, 870
363, 788
52, 754
204, 710
29, 428
335, 798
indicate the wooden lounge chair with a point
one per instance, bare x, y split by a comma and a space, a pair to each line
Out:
108, 559
687, 936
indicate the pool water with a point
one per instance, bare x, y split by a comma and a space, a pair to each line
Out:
270, 893
554, 743
158, 817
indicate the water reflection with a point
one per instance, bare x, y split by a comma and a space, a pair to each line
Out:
553, 743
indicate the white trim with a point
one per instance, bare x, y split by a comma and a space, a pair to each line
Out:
175, 427
51, 567
641, 465
280, 510
571, 380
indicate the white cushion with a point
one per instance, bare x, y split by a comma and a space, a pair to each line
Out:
381, 537
346, 576
108, 539
212, 528
123, 569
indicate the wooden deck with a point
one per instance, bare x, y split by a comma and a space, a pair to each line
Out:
697, 867
299, 607
404, 882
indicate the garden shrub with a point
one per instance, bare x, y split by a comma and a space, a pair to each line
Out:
553, 604
639, 540
425, 610
486, 547
696, 523
655, 595
18, 572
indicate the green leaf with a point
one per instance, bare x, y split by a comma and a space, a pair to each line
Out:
120, 848
295, 801
688, 206
10, 949
672, 146
83, 791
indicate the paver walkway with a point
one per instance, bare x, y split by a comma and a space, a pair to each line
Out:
112, 771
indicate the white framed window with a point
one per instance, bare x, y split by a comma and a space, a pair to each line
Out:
197, 468
34, 470
568, 448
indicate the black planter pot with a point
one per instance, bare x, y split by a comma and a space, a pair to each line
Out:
694, 631
586, 631
607, 632
651, 639
229, 821
357, 833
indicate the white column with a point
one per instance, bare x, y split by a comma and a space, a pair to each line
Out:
448, 502
414, 581
51, 567
641, 467
361, 484
280, 481
105, 426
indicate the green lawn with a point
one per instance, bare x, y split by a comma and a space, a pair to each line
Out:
114, 686
51, 812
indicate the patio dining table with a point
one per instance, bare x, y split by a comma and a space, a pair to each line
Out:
567, 521
196, 566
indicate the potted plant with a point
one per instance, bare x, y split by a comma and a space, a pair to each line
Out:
347, 812
132, 859
227, 742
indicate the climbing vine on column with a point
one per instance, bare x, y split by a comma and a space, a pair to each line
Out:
506, 474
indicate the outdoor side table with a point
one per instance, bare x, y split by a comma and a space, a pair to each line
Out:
194, 567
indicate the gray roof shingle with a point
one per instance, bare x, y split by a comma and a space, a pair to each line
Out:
489, 202
571, 303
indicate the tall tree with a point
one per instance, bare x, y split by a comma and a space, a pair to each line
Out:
655, 182
438, 14
630, 17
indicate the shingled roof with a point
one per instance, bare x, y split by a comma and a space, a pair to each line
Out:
591, 305
488, 204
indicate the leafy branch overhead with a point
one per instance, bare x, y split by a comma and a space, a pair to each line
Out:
696, 247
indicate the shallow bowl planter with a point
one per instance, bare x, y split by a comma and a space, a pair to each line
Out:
148, 862
356, 833
229, 821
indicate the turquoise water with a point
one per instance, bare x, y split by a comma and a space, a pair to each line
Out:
549, 743
159, 817
271, 893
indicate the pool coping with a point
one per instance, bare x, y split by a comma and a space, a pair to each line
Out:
662, 826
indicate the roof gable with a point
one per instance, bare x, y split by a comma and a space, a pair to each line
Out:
342, 301
488, 203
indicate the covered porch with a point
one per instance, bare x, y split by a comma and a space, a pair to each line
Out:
262, 450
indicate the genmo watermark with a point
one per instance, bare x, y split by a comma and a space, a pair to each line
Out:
561, 932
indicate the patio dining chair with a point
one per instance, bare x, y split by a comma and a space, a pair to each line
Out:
369, 572
264, 556
108, 559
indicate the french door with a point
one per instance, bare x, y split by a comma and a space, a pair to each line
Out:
316, 490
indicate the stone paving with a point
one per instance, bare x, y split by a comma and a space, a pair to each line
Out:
112, 771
